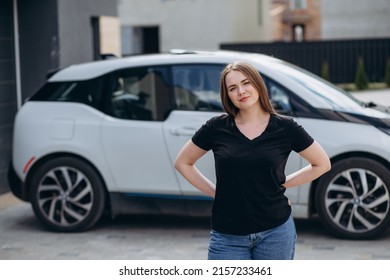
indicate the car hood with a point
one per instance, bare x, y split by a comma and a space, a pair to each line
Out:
366, 116
371, 116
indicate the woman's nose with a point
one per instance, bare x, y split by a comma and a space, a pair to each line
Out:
240, 90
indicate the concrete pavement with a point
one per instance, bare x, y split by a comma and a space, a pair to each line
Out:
137, 237
379, 96
7, 200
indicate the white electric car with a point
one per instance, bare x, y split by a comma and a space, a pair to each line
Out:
103, 136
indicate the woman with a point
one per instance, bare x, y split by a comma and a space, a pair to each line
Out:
251, 216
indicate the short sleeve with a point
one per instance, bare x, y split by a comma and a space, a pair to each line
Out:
299, 137
203, 136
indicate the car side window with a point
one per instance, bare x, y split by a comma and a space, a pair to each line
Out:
196, 87
140, 94
279, 96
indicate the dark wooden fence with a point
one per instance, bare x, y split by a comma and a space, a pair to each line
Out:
341, 56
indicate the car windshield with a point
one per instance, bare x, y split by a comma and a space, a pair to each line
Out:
335, 96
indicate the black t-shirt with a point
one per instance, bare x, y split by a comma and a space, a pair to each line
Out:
249, 193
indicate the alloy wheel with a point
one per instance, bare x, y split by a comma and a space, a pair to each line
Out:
65, 196
357, 200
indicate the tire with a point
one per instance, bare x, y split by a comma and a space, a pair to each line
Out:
67, 195
353, 199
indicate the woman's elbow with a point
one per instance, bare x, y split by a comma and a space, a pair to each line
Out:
327, 165
178, 165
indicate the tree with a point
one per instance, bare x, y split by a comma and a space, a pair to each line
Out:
361, 79
387, 73
325, 71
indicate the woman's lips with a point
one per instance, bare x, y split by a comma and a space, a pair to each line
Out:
244, 99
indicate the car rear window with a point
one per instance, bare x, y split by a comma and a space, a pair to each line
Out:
87, 92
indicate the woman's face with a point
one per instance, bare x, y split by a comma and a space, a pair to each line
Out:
240, 90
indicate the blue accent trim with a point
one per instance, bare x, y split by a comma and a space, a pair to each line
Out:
169, 196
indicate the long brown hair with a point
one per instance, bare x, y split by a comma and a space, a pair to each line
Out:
254, 77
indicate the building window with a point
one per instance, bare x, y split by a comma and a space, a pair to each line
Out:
298, 33
298, 5
137, 40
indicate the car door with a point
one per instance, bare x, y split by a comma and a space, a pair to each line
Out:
132, 133
196, 96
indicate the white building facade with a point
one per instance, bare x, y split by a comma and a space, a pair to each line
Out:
355, 19
162, 25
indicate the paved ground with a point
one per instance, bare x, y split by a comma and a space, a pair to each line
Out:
380, 96
154, 238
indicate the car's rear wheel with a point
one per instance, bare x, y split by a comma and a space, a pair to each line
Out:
353, 198
67, 194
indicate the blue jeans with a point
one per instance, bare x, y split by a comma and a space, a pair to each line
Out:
274, 244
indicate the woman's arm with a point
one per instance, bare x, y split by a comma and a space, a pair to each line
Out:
184, 163
319, 164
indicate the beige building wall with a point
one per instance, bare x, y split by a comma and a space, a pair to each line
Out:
285, 18
109, 35
332, 19
199, 24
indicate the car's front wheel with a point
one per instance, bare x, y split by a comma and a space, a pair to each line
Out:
67, 194
353, 198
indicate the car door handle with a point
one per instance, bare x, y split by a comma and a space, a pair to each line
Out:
184, 131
